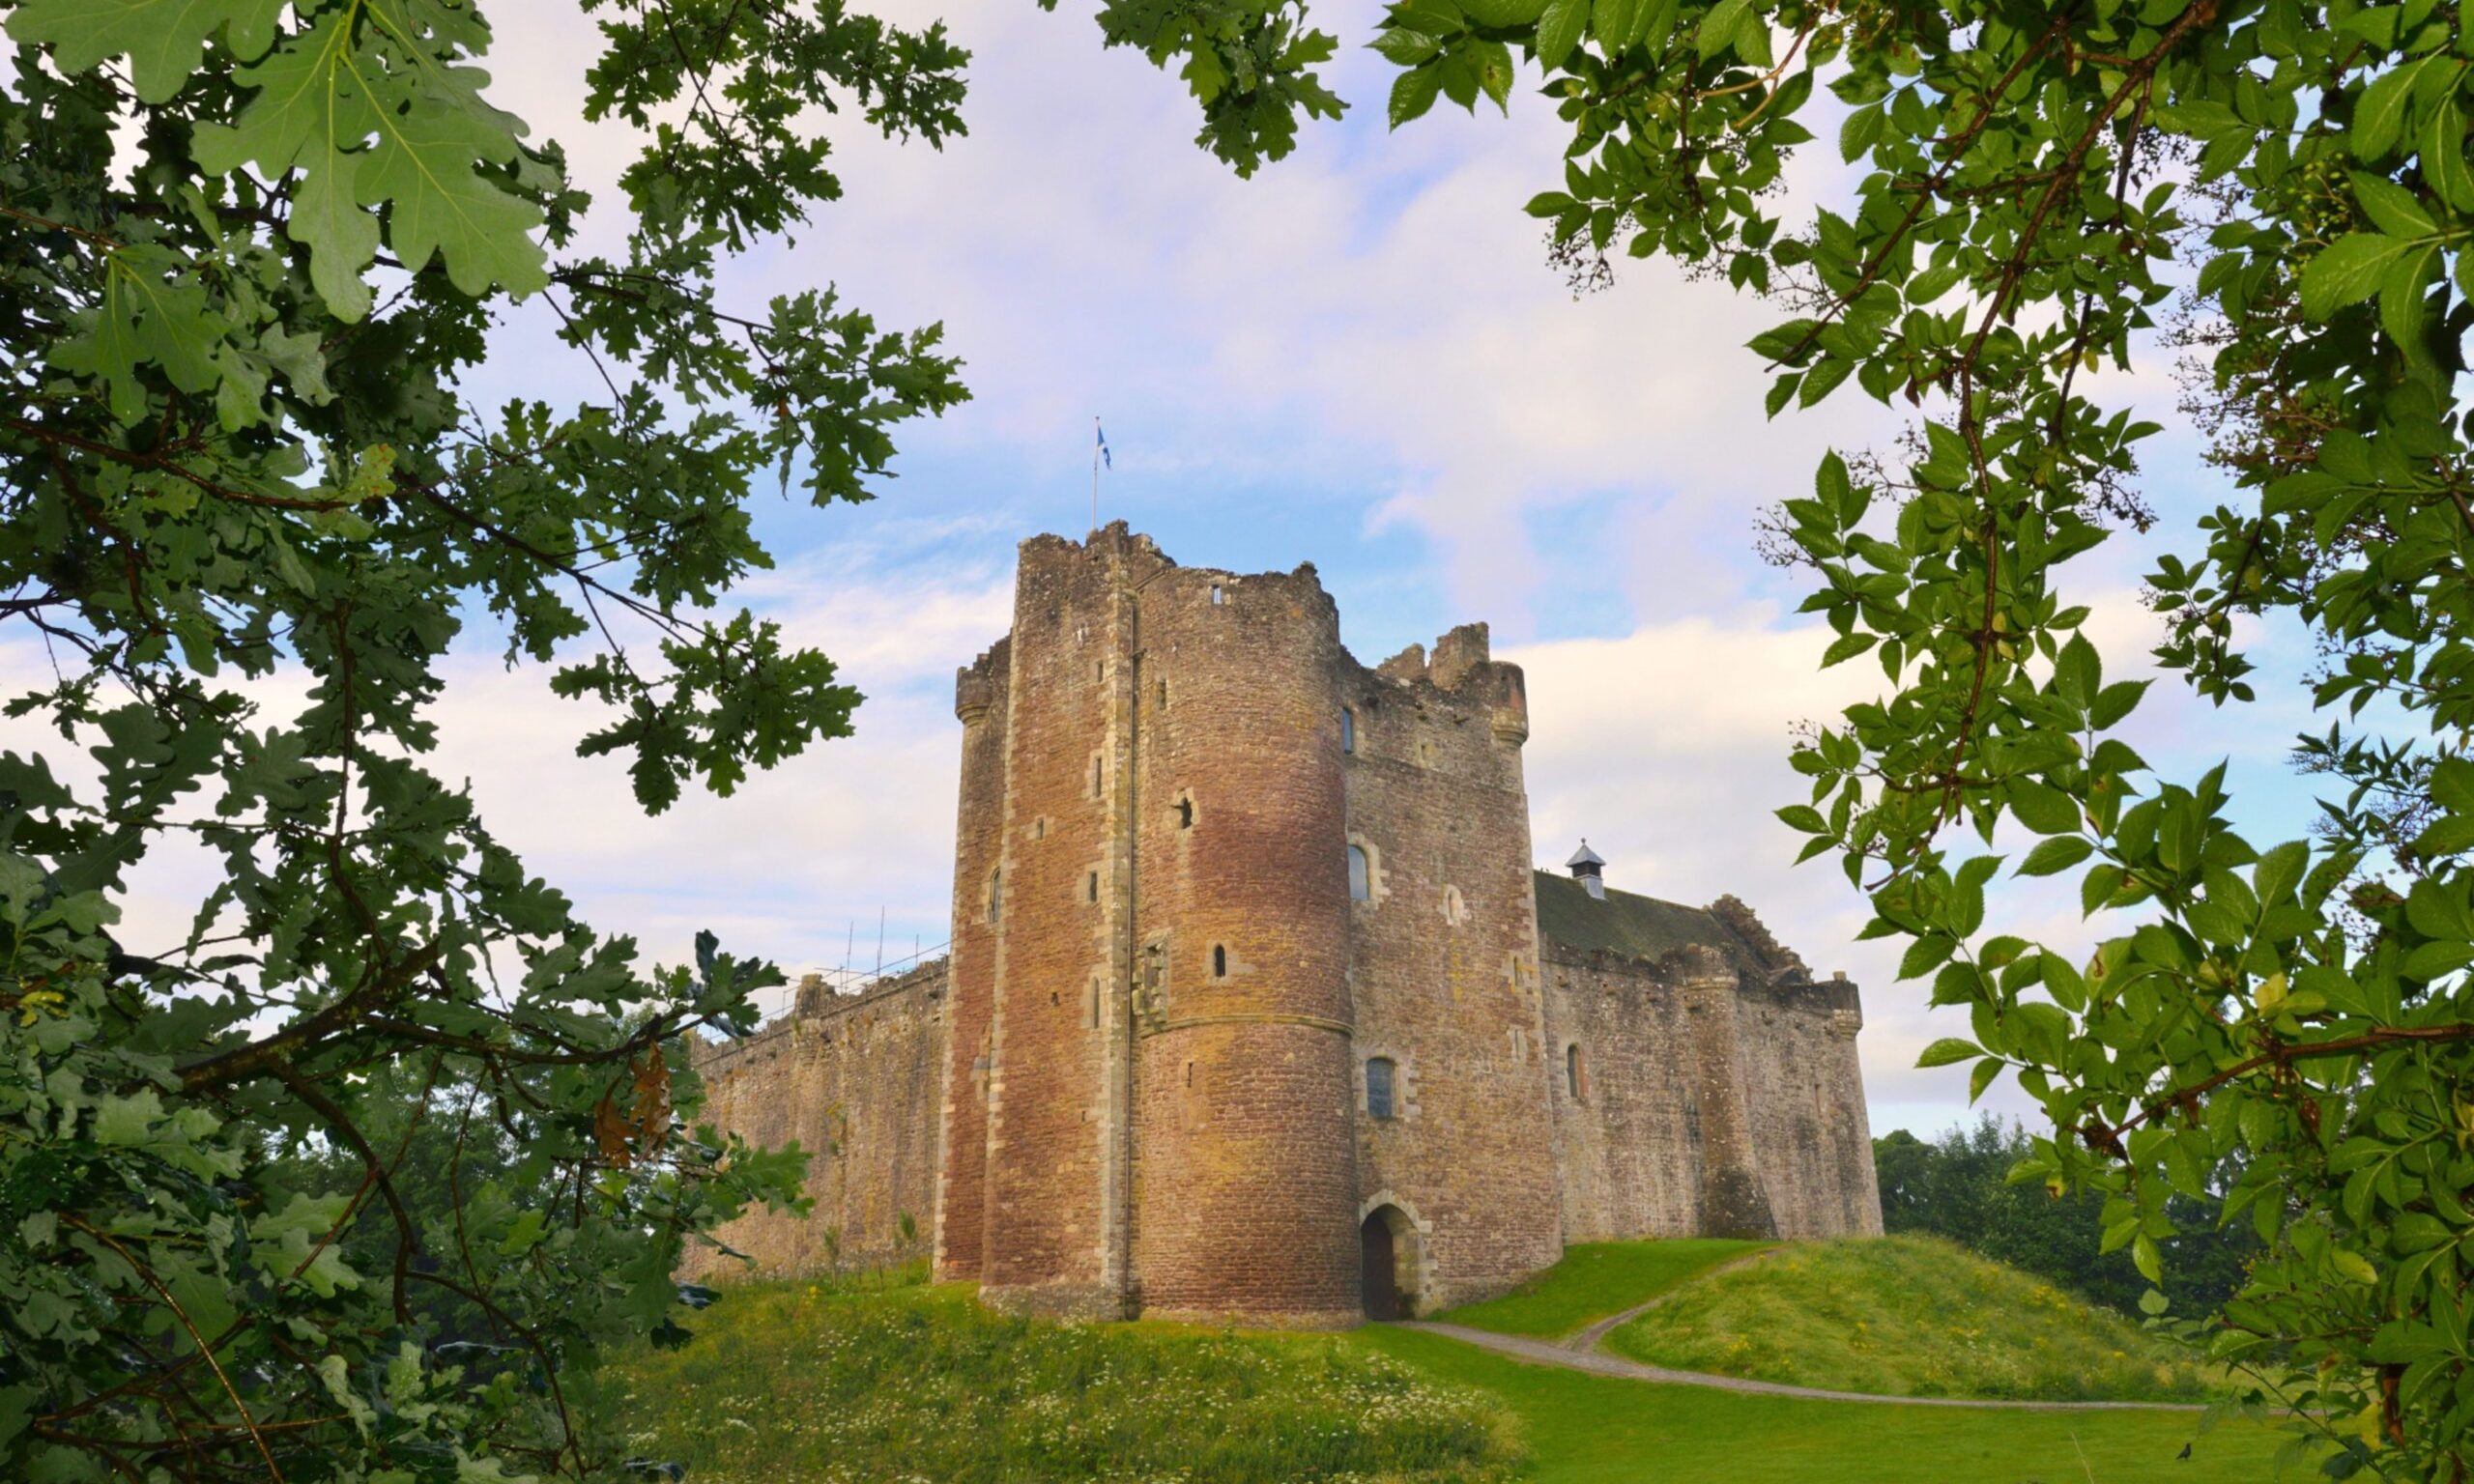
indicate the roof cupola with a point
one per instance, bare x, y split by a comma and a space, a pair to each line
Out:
1587, 866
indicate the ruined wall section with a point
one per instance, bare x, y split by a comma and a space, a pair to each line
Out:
855, 1080
1443, 963
1804, 1091
981, 704
1054, 1200
1245, 1183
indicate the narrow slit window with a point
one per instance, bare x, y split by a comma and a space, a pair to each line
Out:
1096, 765
1091, 887
1218, 960
995, 894
1184, 814
1348, 731
1575, 1076
1095, 1003
1163, 695
1360, 875
1379, 1073
1218, 595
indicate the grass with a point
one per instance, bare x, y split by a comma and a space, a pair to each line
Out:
1596, 1279
1603, 1430
818, 1384
811, 1383
1908, 1316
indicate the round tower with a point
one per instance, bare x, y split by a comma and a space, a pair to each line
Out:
1245, 1168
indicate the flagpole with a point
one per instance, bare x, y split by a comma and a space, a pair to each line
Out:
1095, 471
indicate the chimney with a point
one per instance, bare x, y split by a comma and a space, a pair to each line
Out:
1586, 864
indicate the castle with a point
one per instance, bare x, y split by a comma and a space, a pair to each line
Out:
1256, 1007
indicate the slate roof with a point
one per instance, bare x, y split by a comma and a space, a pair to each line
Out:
1636, 927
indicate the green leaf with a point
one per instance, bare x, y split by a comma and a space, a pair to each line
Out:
1949, 1051
2379, 115
2443, 149
425, 168
2054, 856
1982, 1076
163, 40
1857, 136
2064, 982
1413, 92
1404, 47
1611, 22
2115, 702
125, 1121
2347, 271
1719, 26
2392, 208
2043, 808
2079, 671
1824, 379
1925, 954
1560, 28
1493, 62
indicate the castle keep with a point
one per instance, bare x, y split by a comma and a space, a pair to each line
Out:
1256, 1006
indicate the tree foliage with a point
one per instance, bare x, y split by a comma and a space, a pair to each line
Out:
2291, 1015
1957, 1187
354, 1176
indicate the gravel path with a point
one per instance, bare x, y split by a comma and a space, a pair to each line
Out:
1550, 1352
1587, 1340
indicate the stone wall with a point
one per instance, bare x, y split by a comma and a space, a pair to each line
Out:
1443, 970
855, 1081
1804, 1091
1713, 1097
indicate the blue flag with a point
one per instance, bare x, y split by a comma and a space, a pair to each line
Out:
1104, 444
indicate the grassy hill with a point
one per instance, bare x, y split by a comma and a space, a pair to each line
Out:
815, 1383
1596, 1279
1908, 1316
793, 1383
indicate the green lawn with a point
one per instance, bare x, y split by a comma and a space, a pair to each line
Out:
1909, 1316
1603, 1430
819, 1382
1596, 1279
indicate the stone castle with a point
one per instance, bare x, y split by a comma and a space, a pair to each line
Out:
1256, 1007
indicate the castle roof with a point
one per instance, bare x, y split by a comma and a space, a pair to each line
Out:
1626, 922
1585, 856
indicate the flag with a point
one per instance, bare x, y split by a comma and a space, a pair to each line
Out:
1104, 444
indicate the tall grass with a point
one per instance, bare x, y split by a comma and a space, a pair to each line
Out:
1909, 1316
812, 1382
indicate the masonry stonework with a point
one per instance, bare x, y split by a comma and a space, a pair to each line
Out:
1256, 1006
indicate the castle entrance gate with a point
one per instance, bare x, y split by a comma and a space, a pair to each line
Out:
1388, 1263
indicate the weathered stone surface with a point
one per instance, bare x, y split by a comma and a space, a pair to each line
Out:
1140, 1083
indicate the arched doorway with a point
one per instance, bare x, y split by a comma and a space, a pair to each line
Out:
1388, 1263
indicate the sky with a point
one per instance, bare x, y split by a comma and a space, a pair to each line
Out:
1360, 359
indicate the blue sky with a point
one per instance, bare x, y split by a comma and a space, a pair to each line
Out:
1361, 359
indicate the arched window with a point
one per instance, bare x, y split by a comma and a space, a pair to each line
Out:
1348, 731
1378, 1087
1218, 960
1575, 1077
1360, 875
